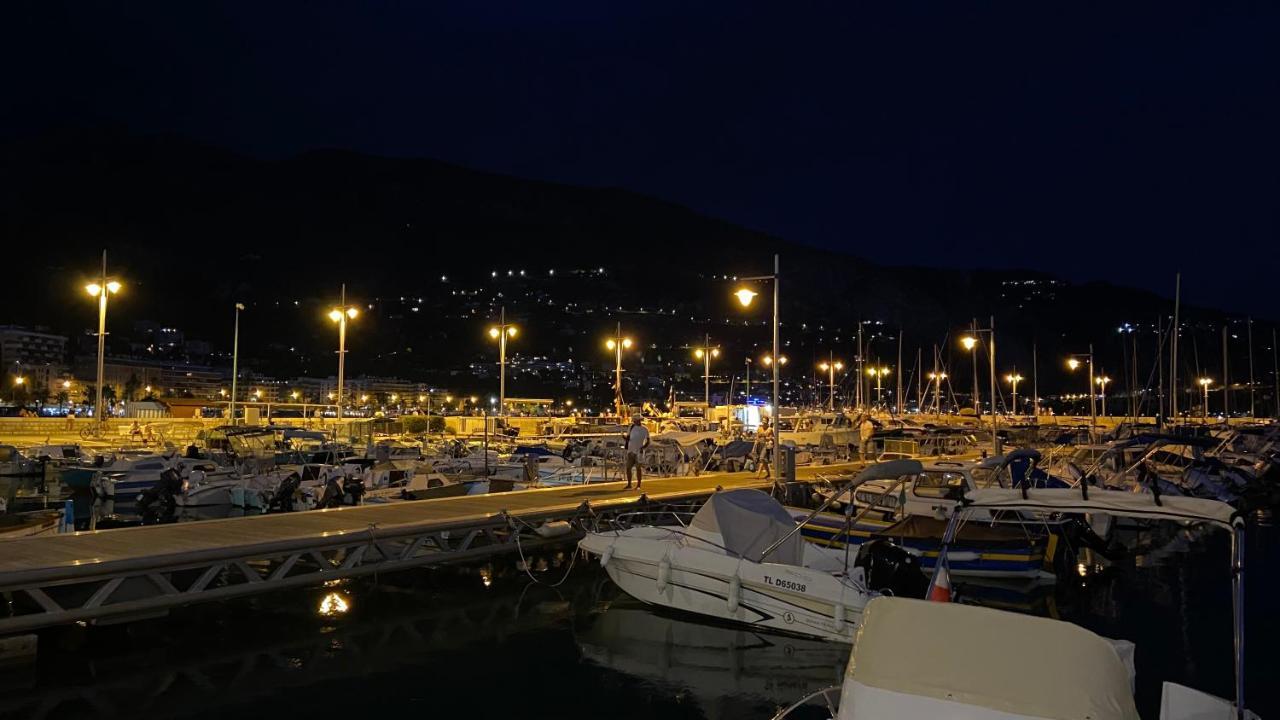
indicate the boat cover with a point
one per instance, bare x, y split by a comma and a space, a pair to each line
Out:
1111, 502
749, 521
1017, 664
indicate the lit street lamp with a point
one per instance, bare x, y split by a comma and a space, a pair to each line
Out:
101, 290
878, 374
1013, 379
501, 332
341, 315
1073, 362
1102, 381
830, 367
745, 297
617, 344
970, 343
1205, 383
936, 378
705, 353
235, 362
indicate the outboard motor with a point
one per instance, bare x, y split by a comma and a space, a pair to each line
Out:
353, 489
331, 497
891, 570
285, 493
163, 494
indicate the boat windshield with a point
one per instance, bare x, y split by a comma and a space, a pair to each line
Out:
940, 484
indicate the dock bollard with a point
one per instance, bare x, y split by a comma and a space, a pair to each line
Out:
68, 517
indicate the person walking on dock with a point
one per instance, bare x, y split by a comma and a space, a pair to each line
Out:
763, 449
637, 441
865, 432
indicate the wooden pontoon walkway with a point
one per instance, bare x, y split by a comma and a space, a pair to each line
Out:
142, 570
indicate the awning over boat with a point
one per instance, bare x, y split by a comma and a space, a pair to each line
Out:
749, 521
1017, 664
1124, 504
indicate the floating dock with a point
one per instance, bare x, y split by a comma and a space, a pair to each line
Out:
130, 573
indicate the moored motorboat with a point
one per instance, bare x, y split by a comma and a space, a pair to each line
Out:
741, 559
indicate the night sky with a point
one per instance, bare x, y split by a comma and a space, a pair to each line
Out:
1116, 141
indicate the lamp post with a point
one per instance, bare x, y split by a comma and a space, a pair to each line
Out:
235, 361
745, 296
1013, 379
617, 344
970, 343
101, 290
830, 367
936, 378
878, 374
1074, 362
1205, 383
1102, 381
705, 353
501, 332
341, 314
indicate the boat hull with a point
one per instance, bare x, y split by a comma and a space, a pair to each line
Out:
1016, 559
768, 596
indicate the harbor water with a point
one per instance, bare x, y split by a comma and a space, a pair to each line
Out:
486, 641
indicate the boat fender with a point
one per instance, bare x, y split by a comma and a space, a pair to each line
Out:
237, 497
606, 556
554, 529
735, 593
839, 617
837, 506
664, 574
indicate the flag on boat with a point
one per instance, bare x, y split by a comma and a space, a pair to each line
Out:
941, 590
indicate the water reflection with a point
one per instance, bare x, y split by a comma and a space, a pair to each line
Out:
719, 667
333, 605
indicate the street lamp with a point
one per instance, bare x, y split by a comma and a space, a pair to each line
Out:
879, 374
501, 332
341, 315
235, 361
970, 343
1205, 383
617, 344
1102, 381
745, 297
936, 378
1013, 379
101, 290
830, 367
705, 353
1073, 362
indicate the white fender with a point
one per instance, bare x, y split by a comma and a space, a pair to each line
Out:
839, 617
606, 556
735, 593
664, 574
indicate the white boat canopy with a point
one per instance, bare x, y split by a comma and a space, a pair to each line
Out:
980, 656
748, 522
1136, 505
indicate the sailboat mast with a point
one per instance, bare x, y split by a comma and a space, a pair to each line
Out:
1173, 361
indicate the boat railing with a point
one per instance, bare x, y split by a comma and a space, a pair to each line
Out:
830, 697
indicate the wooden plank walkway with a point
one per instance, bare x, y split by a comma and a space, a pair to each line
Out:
51, 558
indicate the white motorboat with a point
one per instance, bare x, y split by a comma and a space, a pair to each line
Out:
915, 659
741, 558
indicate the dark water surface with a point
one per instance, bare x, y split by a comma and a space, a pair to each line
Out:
485, 642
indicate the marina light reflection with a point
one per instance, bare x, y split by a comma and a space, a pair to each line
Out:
334, 604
